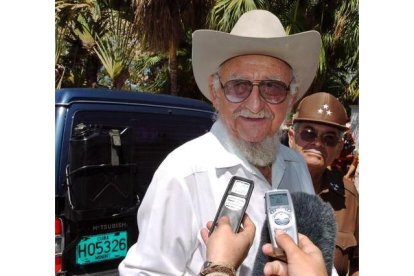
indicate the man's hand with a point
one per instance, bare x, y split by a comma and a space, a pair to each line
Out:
305, 259
226, 247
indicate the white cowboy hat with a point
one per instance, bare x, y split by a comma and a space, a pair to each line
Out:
256, 32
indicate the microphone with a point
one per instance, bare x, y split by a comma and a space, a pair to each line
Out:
315, 219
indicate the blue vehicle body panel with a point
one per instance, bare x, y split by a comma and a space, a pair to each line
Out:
149, 127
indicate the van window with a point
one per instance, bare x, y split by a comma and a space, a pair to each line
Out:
130, 138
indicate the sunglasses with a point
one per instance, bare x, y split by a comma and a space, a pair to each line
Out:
310, 135
272, 91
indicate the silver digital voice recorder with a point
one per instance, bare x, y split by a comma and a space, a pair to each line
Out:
280, 215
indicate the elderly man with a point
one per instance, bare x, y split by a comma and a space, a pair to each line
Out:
316, 133
253, 76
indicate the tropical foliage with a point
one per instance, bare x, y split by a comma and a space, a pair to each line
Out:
146, 44
91, 34
225, 13
163, 25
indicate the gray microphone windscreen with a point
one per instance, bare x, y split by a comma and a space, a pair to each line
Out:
315, 219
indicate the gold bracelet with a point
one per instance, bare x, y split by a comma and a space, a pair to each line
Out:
210, 267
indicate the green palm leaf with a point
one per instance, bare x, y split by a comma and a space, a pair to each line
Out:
225, 13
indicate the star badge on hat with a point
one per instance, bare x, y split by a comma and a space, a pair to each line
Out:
325, 108
321, 107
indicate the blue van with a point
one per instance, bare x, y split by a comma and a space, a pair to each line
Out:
108, 145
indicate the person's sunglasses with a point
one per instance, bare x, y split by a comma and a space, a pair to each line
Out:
272, 91
329, 139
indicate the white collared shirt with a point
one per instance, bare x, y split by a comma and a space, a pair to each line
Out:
184, 195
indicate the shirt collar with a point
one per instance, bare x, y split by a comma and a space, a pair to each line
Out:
278, 166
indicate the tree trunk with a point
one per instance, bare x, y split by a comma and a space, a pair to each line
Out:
92, 68
173, 67
119, 80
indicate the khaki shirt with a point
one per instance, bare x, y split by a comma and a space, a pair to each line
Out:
343, 197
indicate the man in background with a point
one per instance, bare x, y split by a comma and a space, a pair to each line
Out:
317, 133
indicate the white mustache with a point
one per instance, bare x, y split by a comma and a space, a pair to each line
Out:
248, 114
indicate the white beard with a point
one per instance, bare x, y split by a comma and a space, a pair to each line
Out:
259, 154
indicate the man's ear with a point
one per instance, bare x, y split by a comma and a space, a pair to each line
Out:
339, 148
211, 87
291, 136
213, 94
292, 99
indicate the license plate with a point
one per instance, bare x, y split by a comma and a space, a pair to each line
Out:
102, 247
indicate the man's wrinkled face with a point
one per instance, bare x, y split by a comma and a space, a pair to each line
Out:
319, 144
253, 119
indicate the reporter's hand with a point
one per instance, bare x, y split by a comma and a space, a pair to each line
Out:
305, 259
226, 247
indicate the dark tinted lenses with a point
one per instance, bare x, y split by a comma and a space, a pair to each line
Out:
272, 91
310, 135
